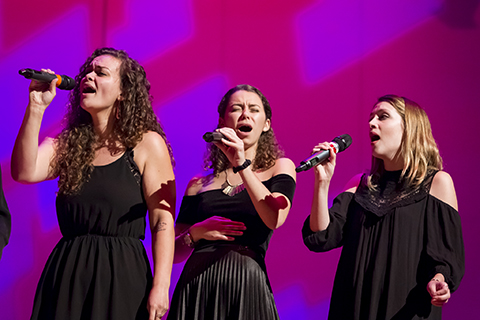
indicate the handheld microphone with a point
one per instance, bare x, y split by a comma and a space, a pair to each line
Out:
213, 136
64, 82
340, 143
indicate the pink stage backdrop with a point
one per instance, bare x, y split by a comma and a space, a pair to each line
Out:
321, 63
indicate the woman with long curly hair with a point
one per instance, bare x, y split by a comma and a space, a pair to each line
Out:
228, 216
113, 163
398, 224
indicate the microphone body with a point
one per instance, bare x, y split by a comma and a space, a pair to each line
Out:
340, 143
64, 82
213, 136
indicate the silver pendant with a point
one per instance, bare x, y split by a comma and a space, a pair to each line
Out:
230, 190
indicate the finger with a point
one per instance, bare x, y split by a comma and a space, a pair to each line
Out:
151, 314
232, 233
333, 156
220, 218
442, 291
320, 147
439, 303
227, 132
431, 288
47, 70
236, 227
220, 145
53, 86
233, 224
224, 237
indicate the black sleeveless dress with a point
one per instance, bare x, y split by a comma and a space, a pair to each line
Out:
99, 269
227, 279
394, 239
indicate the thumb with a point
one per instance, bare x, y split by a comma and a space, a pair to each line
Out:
53, 86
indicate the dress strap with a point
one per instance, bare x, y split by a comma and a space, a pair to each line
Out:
133, 166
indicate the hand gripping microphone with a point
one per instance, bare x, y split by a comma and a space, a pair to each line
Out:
64, 82
340, 143
213, 136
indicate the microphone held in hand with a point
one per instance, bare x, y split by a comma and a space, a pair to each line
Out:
64, 82
213, 136
340, 143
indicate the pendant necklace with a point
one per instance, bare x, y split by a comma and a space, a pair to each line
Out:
229, 189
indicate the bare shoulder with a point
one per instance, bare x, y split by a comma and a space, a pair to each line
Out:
284, 166
353, 183
443, 189
151, 149
153, 140
196, 184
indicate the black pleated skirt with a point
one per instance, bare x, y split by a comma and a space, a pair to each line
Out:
223, 282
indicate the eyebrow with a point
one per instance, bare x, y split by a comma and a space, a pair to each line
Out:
379, 110
102, 67
242, 104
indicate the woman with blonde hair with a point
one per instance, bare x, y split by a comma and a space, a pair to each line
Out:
398, 224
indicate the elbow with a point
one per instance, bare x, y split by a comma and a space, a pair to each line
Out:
20, 176
314, 245
277, 223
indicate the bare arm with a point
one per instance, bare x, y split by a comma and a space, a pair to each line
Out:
31, 163
272, 208
159, 190
213, 228
319, 217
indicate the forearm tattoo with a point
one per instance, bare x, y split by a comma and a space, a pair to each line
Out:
161, 226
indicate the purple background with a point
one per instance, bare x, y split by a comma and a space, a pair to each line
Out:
322, 65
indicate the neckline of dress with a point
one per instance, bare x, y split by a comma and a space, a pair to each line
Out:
111, 163
221, 189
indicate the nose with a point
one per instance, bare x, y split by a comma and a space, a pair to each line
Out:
246, 113
373, 123
89, 76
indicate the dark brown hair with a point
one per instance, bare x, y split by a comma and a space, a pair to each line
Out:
75, 145
268, 149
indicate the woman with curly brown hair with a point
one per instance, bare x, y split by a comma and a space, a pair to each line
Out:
398, 224
113, 163
228, 216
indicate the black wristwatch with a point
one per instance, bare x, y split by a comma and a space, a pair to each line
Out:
243, 166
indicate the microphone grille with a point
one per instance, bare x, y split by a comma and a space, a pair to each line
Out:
67, 83
343, 141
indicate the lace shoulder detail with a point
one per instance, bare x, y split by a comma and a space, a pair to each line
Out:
133, 166
391, 193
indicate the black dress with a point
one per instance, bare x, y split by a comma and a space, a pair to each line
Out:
394, 241
99, 269
227, 279
5, 219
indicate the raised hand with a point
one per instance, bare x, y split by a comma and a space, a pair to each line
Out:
42, 93
233, 147
324, 171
